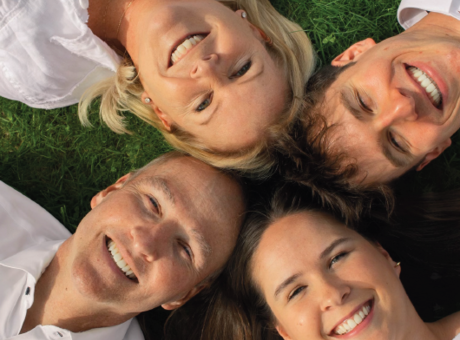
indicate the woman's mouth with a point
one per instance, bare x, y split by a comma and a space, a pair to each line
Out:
185, 46
352, 322
118, 259
428, 84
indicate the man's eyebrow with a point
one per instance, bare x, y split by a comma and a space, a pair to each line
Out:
286, 283
399, 162
349, 102
159, 184
326, 252
204, 246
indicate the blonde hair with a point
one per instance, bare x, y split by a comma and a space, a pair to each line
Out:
290, 48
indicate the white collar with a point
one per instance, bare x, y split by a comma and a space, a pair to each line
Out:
412, 11
34, 261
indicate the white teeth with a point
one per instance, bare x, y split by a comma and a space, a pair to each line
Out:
341, 330
186, 45
357, 319
350, 324
427, 83
111, 246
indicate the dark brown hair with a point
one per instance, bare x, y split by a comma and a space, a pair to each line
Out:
234, 308
307, 157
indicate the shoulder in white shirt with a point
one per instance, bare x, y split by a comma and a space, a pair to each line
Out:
412, 11
48, 54
29, 239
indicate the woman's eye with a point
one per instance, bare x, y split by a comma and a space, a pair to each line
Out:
335, 259
204, 104
243, 70
295, 292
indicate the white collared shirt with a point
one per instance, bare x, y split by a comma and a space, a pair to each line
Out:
29, 239
48, 54
412, 11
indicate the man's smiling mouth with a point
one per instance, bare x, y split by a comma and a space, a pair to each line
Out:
185, 46
118, 259
350, 323
428, 84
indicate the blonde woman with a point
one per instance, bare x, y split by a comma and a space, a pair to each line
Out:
220, 79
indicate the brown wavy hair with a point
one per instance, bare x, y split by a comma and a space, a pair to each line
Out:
423, 230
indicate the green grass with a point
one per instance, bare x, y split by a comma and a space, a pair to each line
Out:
51, 158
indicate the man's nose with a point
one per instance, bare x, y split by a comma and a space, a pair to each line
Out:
332, 292
400, 106
151, 241
207, 66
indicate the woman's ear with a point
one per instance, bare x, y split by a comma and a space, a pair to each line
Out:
258, 32
282, 332
101, 195
353, 53
396, 265
164, 117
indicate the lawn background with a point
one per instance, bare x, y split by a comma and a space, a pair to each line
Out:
51, 158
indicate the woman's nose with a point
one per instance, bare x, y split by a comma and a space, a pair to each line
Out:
333, 293
207, 66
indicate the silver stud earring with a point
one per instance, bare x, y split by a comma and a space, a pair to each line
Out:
243, 15
147, 100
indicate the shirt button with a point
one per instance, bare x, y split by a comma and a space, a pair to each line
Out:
84, 4
28, 291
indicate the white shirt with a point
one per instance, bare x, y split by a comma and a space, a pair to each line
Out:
412, 11
48, 54
457, 337
29, 239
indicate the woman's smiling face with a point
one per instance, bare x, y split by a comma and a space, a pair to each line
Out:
207, 71
324, 281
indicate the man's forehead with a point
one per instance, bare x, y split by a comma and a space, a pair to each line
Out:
196, 184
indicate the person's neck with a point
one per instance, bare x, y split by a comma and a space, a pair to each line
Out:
440, 24
57, 303
105, 19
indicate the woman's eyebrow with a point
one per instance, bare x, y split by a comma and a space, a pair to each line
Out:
286, 283
253, 76
326, 252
